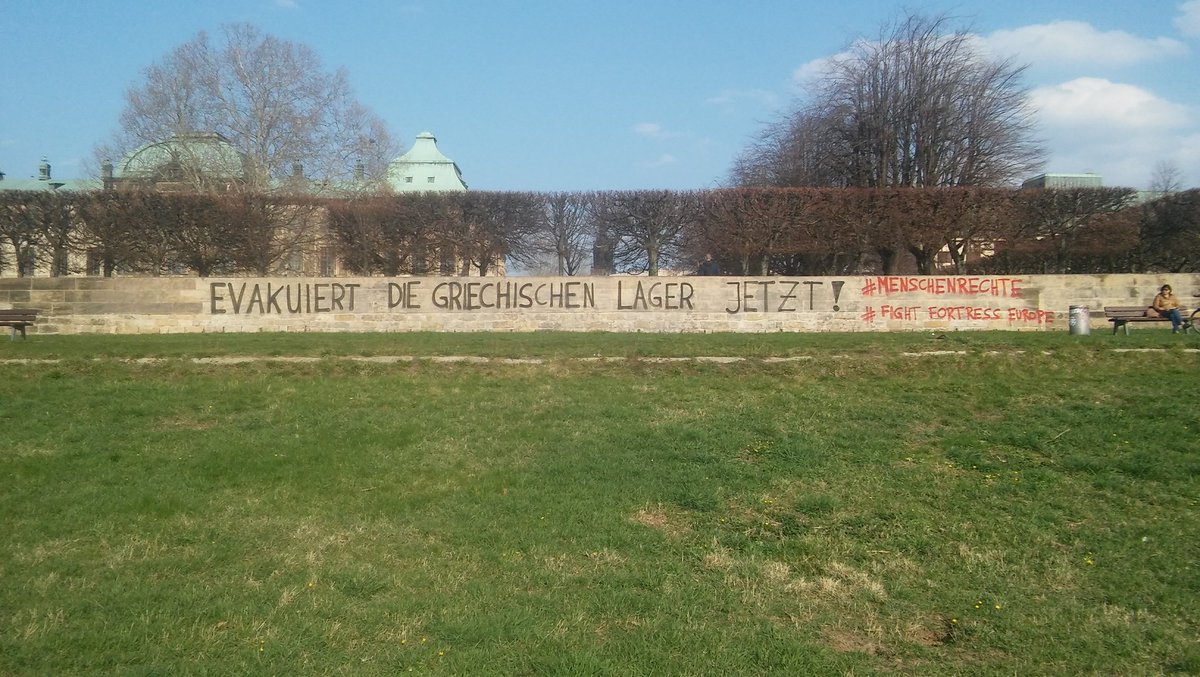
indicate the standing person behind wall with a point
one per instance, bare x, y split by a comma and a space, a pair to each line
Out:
1166, 305
708, 266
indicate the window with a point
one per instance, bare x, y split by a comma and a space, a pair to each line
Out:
327, 262
408, 179
431, 179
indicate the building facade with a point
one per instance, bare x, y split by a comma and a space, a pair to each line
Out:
207, 162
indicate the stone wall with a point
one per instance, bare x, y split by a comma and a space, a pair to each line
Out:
131, 305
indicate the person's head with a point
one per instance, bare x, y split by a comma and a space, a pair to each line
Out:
708, 257
1166, 289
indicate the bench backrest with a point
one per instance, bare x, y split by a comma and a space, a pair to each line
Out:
19, 314
1131, 312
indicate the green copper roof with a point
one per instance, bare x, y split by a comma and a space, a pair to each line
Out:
424, 169
43, 181
208, 153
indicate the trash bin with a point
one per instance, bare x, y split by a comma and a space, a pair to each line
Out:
1079, 320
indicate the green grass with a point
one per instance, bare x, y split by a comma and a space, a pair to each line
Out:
1024, 505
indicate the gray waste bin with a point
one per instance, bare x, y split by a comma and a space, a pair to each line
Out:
1079, 320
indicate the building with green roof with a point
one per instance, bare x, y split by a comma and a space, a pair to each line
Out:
423, 169
43, 181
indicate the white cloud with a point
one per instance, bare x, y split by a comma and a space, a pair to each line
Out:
287, 4
1117, 130
1080, 42
1188, 21
818, 68
1098, 103
664, 160
652, 130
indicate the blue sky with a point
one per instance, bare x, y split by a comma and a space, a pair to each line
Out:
560, 95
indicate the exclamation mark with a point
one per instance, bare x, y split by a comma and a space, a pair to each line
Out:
837, 292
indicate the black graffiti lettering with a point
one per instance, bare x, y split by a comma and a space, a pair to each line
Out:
273, 299
255, 298
785, 298
737, 298
237, 298
659, 295
299, 300
403, 295
264, 299
214, 298
812, 293
318, 297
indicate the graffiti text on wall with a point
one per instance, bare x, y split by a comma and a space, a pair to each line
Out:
263, 299
971, 287
1009, 287
778, 296
954, 299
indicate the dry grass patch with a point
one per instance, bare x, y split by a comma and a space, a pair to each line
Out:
657, 518
845, 640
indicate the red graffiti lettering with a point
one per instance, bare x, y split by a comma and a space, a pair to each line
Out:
1028, 315
963, 313
1009, 287
898, 312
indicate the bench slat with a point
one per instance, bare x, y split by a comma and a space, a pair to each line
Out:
19, 319
1122, 316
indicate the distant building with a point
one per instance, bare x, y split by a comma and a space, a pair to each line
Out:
1088, 180
424, 169
194, 161
209, 162
43, 181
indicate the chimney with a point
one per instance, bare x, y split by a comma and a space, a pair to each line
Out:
106, 170
44, 170
360, 171
297, 170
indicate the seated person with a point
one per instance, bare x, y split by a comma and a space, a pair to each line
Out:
1166, 305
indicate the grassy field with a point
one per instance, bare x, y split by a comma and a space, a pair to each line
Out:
974, 503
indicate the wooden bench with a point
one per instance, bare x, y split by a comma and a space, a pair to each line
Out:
1123, 316
18, 318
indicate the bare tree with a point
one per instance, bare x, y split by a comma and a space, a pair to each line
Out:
565, 232
1170, 232
645, 226
108, 234
1056, 218
270, 231
20, 221
59, 230
1165, 179
919, 106
270, 98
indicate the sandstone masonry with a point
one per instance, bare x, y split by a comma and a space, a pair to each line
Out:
133, 305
